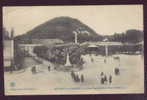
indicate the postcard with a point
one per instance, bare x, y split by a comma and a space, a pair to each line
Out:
63, 50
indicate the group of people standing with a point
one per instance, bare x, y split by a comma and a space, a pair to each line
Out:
108, 79
34, 69
105, 79
76, 77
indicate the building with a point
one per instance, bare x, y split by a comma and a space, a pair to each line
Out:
8, 49
29, 48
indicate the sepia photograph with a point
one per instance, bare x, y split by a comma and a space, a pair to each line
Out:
64, 50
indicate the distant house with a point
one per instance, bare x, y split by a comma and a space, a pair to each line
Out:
8, 50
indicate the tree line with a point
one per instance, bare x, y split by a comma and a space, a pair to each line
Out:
130, 36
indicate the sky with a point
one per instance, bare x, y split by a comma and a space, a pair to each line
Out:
104, 19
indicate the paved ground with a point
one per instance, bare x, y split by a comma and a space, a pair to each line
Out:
45, 82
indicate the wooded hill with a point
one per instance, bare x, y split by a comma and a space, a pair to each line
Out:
63, 27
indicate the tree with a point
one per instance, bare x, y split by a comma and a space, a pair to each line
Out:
18, 56
134, 36
40, 51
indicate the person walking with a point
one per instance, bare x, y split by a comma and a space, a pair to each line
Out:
78, 79
116, 70
72, 75
104, 60
33, 70
82, 78
102, 73
49, 68
110, 79
102, 78
92, 60
105, 79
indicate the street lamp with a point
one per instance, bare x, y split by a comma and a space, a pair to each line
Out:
106, 48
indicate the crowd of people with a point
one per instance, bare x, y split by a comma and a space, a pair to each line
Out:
104, 79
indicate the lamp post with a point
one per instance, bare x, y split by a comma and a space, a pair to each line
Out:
106, 49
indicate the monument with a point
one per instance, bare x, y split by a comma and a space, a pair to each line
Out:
67, 60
